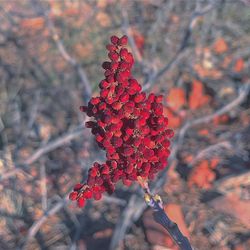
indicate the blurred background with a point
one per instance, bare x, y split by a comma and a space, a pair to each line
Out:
194, 53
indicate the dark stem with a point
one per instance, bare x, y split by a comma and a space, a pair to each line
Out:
161, 217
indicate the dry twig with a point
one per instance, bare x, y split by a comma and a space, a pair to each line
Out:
153, 77
60, 141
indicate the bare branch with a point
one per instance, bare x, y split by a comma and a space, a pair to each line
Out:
56, 208
40, 10
208, 151
243, 93
124, 222
67, 57
60, 141
43, 186
37, 224
183, 45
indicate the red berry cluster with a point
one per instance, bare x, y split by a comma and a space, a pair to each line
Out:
127, 124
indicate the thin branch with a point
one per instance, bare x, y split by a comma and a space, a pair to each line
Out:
208, 151
183, 45
67, 57
60, 141
37, 224
43, 186
40, 10
243, 93
9, 174
56, 208
124, 222
14, 172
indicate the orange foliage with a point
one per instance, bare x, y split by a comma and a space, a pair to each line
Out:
203, 132
214, 162
222, 119
239, 65
174, 120
227, 60
32, 23
197, 99
176, 98
220, 46
203, 175
188, 158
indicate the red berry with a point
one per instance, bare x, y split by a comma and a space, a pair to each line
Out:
78, 186
81, 202
114, 40
73, 195
88, 194
111, 47
97, 196
123, 40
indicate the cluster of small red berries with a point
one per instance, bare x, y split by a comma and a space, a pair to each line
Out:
127, 124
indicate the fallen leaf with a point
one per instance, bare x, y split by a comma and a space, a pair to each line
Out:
197, 98
239, 65
222, 119
32, 23
103, 234
220, 46
214, 162
174, 121
203, 132
176, 98
202, 175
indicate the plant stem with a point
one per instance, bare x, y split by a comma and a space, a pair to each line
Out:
161, 217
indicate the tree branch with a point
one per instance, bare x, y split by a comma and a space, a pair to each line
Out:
183, 45
54, 144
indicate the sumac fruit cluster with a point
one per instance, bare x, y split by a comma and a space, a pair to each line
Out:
127, 124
